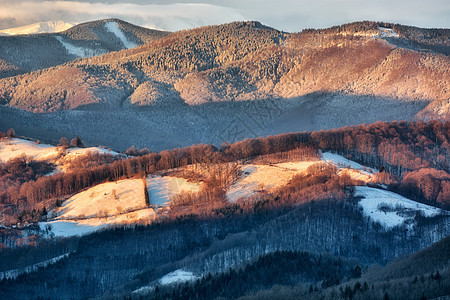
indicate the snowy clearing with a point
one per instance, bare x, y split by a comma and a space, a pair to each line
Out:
114, 28
388, 32
107, 199
12, 148
355, 170
107, 204
162, 189
297, 166
79, 51
69, 228
257, 178
391, 209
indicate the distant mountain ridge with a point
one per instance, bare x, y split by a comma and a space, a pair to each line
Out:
41, 27
29, 52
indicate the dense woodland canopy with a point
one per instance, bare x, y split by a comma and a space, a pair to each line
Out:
118, 261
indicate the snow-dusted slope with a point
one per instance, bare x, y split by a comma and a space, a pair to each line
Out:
112, 203
162, 189
41, 27
258, 178
388, 32
79, 51
340, 161
175, 277
297, 166
114, 28
13, 148
69, 228
73, 152
355, 170
391, 209
105, 199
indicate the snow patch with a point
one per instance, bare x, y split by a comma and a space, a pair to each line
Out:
298, 166
13, 148
114, 28
79, 51
257, 178
388, 32
69, 228
74, 152
162, 189
391, 209
175, 277
353, 169
107, 204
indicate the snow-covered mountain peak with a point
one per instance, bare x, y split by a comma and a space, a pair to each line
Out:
41, 27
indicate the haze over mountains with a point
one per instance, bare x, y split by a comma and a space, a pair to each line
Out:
221, 83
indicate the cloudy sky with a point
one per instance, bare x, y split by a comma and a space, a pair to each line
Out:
288, 15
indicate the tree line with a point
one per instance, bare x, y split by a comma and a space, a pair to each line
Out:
415, 153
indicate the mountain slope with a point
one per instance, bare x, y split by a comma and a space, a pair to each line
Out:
198, 86
236, 62
37, 51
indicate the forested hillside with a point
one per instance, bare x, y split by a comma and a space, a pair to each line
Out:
24, 53
230, 82
241, 61
414, 158
123, 260
318, 210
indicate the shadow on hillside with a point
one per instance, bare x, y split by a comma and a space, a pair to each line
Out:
162, 127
